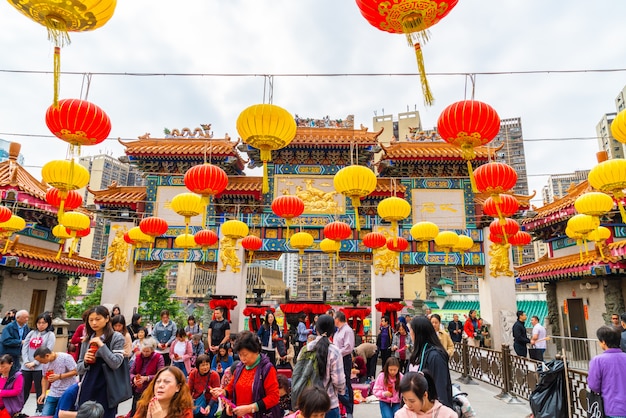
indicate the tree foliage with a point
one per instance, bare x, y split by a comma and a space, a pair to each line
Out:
76, 310
154, 295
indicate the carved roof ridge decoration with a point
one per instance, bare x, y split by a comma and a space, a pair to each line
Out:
38, 257
117, 194
432, 150
558, 205
335, 136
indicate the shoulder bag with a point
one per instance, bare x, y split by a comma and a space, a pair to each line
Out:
595, 405
118, 383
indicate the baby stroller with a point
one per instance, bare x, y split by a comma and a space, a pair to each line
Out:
461, 403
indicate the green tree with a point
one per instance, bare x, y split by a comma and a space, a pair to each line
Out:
90, 300
154, 295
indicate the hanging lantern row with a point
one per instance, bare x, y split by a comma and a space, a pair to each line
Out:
585, 226
610, 177
12, 225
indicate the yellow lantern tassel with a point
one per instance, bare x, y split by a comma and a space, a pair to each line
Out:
6, 246
72, 245
356, 202
519, 256
287, 223
446, 259
462, 253
586, 246
136, 254
579, 243
330, 260
57, 73
470, 170
428, 96
61, 210
60, 249
599, 245
620, 205
266, 182
250, 256
394, 227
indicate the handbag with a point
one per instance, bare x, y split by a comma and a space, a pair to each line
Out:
118, 383
595, 405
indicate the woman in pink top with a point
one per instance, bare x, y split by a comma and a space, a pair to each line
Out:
11, 387
181, 352
387, 388
420, 398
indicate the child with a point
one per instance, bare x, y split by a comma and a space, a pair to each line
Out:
387, 388
201, 380
420, 398
284, 390
314, 402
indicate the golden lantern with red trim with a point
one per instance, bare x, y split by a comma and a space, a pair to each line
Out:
393, 209
355, 182
374, 240
288, 207
301, 241
411, 18
330, 247
447, 240
14, 224
266, 127
206, 180
79, 234
65, 176
78, 122
74, 222
468, 124
252, 243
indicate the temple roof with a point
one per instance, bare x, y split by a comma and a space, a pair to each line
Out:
558, 210
335, 136
114, 194
431, 150
13, 175
41, 259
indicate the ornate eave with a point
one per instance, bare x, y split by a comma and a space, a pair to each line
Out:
131, 197
243, 186
558, 211
386, 187
336, 137
438, 151
14, 176
41, 259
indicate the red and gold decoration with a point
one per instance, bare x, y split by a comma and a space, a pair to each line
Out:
468, 124
9, 227
266, 127
447, 240
137, 239
411, 18
227, 302
355, 182
355, 317
301, 241
5, 214
423, 232
397, 244
206, 180
337, 231
505, 207
506, 229
519, 240
288, 207
251, 243
495, 179
74, 223
465, 244
62, 17
153, 226
205, 238
393, 209
610, 177
71, 201
389, 307
374, 240
61, 232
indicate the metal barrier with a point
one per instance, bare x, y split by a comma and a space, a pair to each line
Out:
577, 350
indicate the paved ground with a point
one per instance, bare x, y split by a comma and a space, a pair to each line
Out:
481, 396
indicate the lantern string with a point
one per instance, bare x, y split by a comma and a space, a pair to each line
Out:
86, 84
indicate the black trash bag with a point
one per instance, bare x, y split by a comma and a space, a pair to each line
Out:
549, 399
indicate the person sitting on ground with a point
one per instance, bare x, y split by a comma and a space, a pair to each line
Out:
201, 380
90, 409
420, 397
221, 361
314, 402
607, 371
146, 365
359, 369
11, 386
59, 371
284, 390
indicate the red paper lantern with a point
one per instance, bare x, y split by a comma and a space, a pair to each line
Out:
81, 233
5, 214
78, 122
206, 180
252, 243
337, 231
153, 226
71, 199
496, 238
495, 178
374, 240
398, 244
205, 238
468, 124
288, 206
507, 206
520, 239
508, 228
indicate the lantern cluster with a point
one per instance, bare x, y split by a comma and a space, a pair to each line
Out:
585, 226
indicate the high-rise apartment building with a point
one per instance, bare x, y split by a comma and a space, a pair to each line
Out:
4, 152
606, 142
290, 272
559, 184
512, 152
402, 129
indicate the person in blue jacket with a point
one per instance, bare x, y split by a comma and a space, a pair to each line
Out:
269, 333
12, 337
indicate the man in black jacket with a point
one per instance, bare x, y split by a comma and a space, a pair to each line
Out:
520, 338
455, 329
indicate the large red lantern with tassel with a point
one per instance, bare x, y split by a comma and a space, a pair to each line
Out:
409, 17
337, 231
71, 201
507, 206
252, 243
520, 239
78, 122
495, 178
508, 228
206, 180
205, 238
153, 226
288, 207
398, 244
374, 240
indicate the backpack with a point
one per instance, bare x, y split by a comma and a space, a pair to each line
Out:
304, 374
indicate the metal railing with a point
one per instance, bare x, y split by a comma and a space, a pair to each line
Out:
578, 351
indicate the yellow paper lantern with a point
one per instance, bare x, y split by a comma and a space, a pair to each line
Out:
355, 182
301, 241
185, 241
60, 231
465, 244
394, 209
423, 232
266, 127
582, 224
602, 233
187, 205
234, 229
610, 177
330, 247
447, 240
65, 175
75, 222
618, 127
11, 226
594, 204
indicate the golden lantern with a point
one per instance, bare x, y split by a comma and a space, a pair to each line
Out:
301, 241
62, 234
355, 182
61, 17
266, 127
599, 235
424, 232
75, 222
65, 176
234, 229
185, 241
580, 225
594, 204
610, 177
447, 240
465, 244
187, 205
8, 228
394, 209
330, 247
618, 127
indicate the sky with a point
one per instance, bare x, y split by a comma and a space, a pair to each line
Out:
313, 37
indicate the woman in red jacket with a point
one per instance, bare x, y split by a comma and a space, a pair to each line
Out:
146, 365
201, 380
471, 329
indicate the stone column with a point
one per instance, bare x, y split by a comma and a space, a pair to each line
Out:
60, 297
498, 302
232, 272
384, 285
120, 285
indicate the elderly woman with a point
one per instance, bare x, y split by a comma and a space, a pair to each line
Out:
254, 386
166, 396
146, 365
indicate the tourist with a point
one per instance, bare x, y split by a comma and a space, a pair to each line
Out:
219, 331
284, 390
302, 332
520, 338
59, 370
77, 338
197, 347
384, 339
607, 371
485, 334
455, 329
222, 360
167, 395
623, 339
402, 345
103, 345
344, 341
146, 365
31, 367
181, 352
269, 334
313, 402
615, 321
312, 327
369, 351
428, 312
135, 326
253, 386
138, 342
445, 339
118, 323
419, 393
192, 328
11, 385
165, 333
429, 355
90, 409
471, 329
115, 310
201, 380
358, 373
9, 317
387, 388
13, 335
538, 339
286, 361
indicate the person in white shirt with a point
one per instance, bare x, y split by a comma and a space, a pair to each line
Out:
538, 339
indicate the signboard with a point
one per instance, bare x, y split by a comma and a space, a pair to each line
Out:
446, 208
